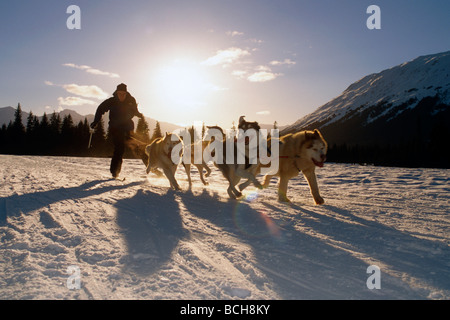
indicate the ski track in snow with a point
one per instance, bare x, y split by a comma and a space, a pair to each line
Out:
137, 239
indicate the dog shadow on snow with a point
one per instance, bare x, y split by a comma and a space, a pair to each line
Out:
304, 265
15, 205
151, 226
424, 260
295, 265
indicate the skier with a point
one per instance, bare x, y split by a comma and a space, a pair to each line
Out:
122, 108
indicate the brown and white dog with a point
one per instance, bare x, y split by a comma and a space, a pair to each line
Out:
302, 151
160, 155
202, 145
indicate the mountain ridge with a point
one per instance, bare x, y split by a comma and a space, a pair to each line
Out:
399, 116
410, 80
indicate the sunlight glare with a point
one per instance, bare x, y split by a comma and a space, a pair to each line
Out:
183, 84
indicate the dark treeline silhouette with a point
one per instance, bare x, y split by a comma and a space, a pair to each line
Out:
56, 136
62, 137
408, 154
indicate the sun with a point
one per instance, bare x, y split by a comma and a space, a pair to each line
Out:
183, 84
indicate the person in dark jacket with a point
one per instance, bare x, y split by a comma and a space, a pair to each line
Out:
122, 108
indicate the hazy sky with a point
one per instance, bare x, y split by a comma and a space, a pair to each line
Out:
207, 60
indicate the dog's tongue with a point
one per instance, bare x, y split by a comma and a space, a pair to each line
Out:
319, 164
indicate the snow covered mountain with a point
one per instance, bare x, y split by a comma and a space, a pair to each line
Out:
407, 99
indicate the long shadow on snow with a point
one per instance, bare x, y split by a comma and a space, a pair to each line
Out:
423, 259
15, 205
152, 227
298, 265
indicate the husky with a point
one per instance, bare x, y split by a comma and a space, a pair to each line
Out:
200, 166
302, 151
238, 169
159, 154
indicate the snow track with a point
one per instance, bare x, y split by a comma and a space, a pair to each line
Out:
137, 239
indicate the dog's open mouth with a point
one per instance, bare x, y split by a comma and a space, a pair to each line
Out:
318, 163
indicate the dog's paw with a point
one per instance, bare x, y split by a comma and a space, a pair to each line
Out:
284, 199
319, 200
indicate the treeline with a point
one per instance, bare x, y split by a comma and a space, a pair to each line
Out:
427, 152
56, 136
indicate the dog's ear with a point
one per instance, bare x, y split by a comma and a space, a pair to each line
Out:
317, 133
309, 135
241, 120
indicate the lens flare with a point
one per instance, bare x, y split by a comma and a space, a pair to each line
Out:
254, 223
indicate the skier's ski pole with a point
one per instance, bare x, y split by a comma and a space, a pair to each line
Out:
90, 139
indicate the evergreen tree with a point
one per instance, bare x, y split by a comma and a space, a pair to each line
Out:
55, 124
30, 123
99, 140
44, 136
67, 136
16, 137
44, 125
82, 134
156, 132
18, 126
3, 139
142, 130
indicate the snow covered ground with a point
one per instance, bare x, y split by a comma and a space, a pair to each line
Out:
136, 239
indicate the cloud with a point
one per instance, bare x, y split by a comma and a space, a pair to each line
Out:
260, 74
263, 76
234, 33
59, 109
257, 41
239, 73
262, 68
86, 91
91, 70
285, 61
263, 113
83, 91
212, 87
226, 57
74, 101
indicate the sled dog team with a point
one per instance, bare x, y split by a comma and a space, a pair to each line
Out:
242, 156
